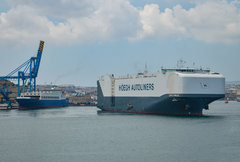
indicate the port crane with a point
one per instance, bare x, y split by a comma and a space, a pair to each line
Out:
26, 73
4, 93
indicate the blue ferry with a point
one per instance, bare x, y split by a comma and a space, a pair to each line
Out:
46, 98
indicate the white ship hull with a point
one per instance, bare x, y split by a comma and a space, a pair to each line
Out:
166, 92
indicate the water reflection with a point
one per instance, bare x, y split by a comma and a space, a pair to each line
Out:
100, 112
217, 111
45, 113
53, 112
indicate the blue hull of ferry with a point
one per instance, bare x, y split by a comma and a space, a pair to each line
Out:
37, 104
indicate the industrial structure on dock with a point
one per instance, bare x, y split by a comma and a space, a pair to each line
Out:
25, 75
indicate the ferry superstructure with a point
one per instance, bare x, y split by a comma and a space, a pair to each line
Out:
46, 98
176, 91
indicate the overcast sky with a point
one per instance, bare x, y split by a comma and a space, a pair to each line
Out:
85, 39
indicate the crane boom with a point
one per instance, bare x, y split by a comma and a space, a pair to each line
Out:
27, 72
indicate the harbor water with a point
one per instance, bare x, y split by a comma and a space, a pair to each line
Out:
76, 134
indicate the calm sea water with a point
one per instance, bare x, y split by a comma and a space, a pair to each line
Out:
87, 134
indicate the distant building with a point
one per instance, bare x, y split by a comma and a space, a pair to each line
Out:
238, 94
231, 94
80, 99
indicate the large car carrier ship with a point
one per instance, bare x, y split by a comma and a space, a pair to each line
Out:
177, 91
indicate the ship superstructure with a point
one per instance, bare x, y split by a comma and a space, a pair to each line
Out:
176, 91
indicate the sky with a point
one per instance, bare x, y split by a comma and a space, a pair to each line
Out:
85, 39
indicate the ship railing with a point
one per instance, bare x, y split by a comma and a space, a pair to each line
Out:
37, 93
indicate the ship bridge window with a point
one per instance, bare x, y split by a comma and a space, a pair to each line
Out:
34, 97
50, 97
186, 70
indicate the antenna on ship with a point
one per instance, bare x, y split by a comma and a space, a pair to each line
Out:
146, 69
180, 63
